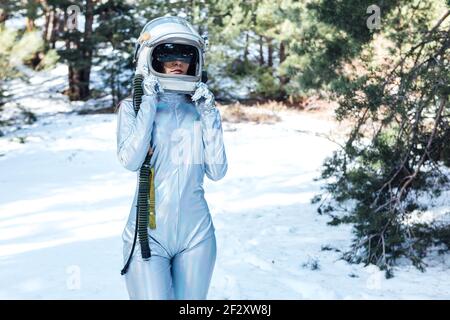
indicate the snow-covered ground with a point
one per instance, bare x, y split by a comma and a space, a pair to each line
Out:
64, 200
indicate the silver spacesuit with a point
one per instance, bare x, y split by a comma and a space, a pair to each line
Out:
187, 141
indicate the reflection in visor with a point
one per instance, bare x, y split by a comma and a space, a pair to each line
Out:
174, 57
174, 52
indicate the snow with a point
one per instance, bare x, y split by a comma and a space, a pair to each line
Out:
64, 200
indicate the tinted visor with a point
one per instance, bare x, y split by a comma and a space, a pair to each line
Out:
175, 52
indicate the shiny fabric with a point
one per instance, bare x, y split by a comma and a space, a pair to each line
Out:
187, 144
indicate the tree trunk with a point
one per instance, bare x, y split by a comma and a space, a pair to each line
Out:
246, 48
49, 35
283, 79
113, 87
54, 24
30, 24
3, 15
269, 52
46, 9
261, 53
88, 41
31, 7
282, 52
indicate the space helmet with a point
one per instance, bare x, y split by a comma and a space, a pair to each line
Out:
172, 38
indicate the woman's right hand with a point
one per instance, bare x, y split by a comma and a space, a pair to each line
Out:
151, 84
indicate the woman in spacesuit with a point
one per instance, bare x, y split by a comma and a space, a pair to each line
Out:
178, 122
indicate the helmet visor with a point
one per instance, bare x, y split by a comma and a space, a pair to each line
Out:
167, 52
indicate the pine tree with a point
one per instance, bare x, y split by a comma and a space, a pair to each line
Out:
399, 102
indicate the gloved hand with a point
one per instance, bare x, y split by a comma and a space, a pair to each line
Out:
151, 84
203, 92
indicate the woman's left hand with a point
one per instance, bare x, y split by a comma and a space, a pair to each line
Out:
203, 91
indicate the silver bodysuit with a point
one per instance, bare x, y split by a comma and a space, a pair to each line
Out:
186, 144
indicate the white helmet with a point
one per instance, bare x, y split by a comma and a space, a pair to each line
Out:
172, 38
